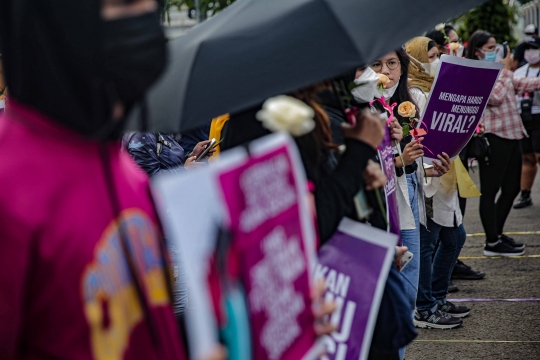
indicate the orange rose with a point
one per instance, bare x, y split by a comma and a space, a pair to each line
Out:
407, 109
454, 46
383, 80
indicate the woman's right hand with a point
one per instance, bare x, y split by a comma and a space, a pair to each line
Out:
413, 151
369, 128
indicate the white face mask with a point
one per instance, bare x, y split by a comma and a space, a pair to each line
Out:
432, 67
532, 56
388, 93
527, 38
366, 89
459, 51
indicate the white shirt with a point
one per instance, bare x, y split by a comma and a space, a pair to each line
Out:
522, 72
446, 202
426, 187
445, 192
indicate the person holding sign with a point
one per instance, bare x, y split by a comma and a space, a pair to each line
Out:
504, 130
529, 107
444, 219
410, 174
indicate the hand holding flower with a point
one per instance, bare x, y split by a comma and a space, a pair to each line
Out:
396, 131
413, 151
374, 176
369, 128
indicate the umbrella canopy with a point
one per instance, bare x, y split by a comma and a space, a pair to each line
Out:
256, 49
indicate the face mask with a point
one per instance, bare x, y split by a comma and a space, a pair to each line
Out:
527, 38
388, 93
460, 51
489, 56
366, 89
134, 55
532, 56
432, 67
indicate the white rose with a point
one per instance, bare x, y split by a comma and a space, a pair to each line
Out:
439, 27
285, 113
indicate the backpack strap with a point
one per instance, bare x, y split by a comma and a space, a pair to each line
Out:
160, 142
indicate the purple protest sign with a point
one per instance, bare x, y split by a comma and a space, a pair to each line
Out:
386, 156
456, 103
267, 219
354, 264
261, 199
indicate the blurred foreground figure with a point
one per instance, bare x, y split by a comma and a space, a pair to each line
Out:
82, 267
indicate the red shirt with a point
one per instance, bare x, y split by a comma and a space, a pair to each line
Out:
65, 288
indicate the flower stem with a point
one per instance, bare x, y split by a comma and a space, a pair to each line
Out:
381, 206
399, 153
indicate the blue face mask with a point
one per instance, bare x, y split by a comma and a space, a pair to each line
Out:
489, 56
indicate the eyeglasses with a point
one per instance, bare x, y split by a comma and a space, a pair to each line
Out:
458, 41
391, 64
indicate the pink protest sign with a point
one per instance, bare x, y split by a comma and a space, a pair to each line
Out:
259, 200
263, 201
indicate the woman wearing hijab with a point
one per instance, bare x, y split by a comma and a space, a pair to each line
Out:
445, 38
444, 220
503, 129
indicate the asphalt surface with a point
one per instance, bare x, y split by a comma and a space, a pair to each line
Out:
493, 330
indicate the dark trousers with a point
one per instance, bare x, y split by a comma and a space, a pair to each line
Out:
436, 266
502, 173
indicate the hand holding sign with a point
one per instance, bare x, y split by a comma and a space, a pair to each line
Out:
456, 103
439, 170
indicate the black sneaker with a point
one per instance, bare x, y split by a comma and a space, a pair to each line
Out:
512, 242
501, 248
464, 272
452, 288
437, 320
524, 200
454, 310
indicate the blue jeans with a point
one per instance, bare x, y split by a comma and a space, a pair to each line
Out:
435, 271
411, 239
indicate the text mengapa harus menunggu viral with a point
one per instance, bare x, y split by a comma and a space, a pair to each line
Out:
462, 116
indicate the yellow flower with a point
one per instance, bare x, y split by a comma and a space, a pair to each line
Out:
383, 80
454, 46
407, 109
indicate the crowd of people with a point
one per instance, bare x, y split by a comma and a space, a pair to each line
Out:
85, 271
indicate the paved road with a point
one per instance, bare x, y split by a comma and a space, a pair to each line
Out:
494, 330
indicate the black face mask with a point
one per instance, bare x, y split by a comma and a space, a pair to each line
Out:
134, 55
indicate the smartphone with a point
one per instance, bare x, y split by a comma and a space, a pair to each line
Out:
405, 259
505, 47
502, 50
207, 149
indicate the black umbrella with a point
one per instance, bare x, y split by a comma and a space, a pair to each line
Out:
256, 49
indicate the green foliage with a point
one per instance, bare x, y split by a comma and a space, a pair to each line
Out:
206, 6
494, 16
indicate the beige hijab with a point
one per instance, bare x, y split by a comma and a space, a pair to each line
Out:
417, 48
